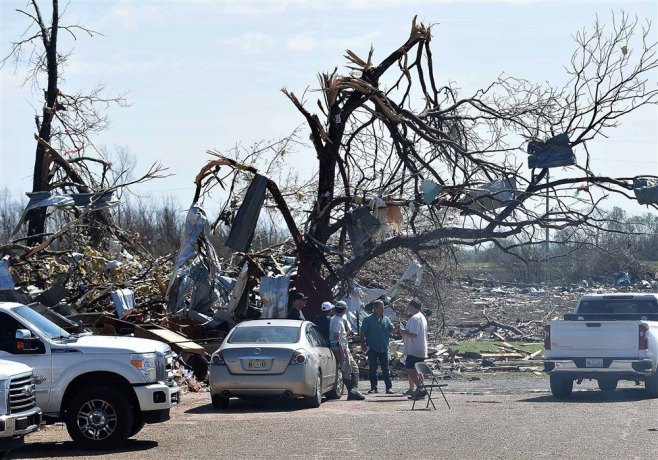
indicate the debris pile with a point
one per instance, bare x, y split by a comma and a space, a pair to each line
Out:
101, 279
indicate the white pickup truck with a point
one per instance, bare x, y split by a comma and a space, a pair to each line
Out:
609, 337
104, 388
19, 414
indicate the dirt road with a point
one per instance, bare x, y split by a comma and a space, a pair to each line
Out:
488, 419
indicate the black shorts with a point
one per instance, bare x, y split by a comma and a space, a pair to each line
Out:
410, 362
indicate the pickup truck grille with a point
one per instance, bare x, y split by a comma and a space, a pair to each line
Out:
22, 394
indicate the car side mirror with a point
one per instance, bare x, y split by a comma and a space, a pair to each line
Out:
26, 343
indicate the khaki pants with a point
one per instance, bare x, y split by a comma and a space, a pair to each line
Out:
349, 368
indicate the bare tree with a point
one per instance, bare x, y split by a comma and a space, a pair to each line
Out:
66, 159
386, 128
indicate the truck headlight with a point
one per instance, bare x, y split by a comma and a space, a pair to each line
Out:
147, 365
4, 396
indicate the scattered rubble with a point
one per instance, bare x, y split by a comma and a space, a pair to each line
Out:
192, 300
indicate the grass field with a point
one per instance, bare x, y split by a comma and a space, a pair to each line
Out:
491, 346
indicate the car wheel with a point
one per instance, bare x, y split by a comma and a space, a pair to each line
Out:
316, 399
607, 384
99, 418
219, 402
337, 391
651, 385
561, 386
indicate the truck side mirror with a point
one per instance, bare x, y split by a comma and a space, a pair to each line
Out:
22, 334
26, 343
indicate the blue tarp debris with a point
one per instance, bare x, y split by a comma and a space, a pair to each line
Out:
553, 153
493, 195
97, 200
646, 190
430, 190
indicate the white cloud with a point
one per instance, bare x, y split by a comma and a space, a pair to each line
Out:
251, 42
119, 65
306, 42
302, 42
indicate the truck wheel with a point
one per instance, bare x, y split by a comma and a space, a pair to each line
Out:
219, 402
137, 427
651, 385
561, 386
316, 399
99, 418
607, 384
337, 391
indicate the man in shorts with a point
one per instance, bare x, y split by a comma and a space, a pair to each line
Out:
415, 345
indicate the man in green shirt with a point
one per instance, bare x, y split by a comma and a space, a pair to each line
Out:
375, 334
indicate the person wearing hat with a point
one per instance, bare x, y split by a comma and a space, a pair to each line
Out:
339, 345
298, 303
415, 345
375, 334
323, 319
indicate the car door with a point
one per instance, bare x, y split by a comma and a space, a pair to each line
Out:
326, 356
39, 359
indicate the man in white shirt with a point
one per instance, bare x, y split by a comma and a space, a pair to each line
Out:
339, 345
415, 344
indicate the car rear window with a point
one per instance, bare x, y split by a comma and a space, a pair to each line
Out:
265, 334
618, 306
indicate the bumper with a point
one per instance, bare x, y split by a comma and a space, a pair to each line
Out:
156, 397
577, 367
20, 424
295, 381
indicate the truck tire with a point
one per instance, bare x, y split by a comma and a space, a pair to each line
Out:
315, 400
337, 390
99, 418
561, 386
138, 424
219, 402
607, 384
651, 385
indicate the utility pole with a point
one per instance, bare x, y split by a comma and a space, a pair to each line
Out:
547, 248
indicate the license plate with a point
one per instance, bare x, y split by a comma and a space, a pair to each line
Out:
594, 362
256, 363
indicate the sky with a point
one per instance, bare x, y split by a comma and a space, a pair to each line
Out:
204, 74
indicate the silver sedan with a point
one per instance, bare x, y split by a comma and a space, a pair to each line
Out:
274, 357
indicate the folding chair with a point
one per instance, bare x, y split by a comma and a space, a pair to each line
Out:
426, 373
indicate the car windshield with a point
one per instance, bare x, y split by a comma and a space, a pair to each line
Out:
619, 306
265, 334
46, 326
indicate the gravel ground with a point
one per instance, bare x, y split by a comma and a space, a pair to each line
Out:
489, 418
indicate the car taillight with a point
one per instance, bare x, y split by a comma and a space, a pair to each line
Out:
298, 357
644, 340
218, 359
547, 337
